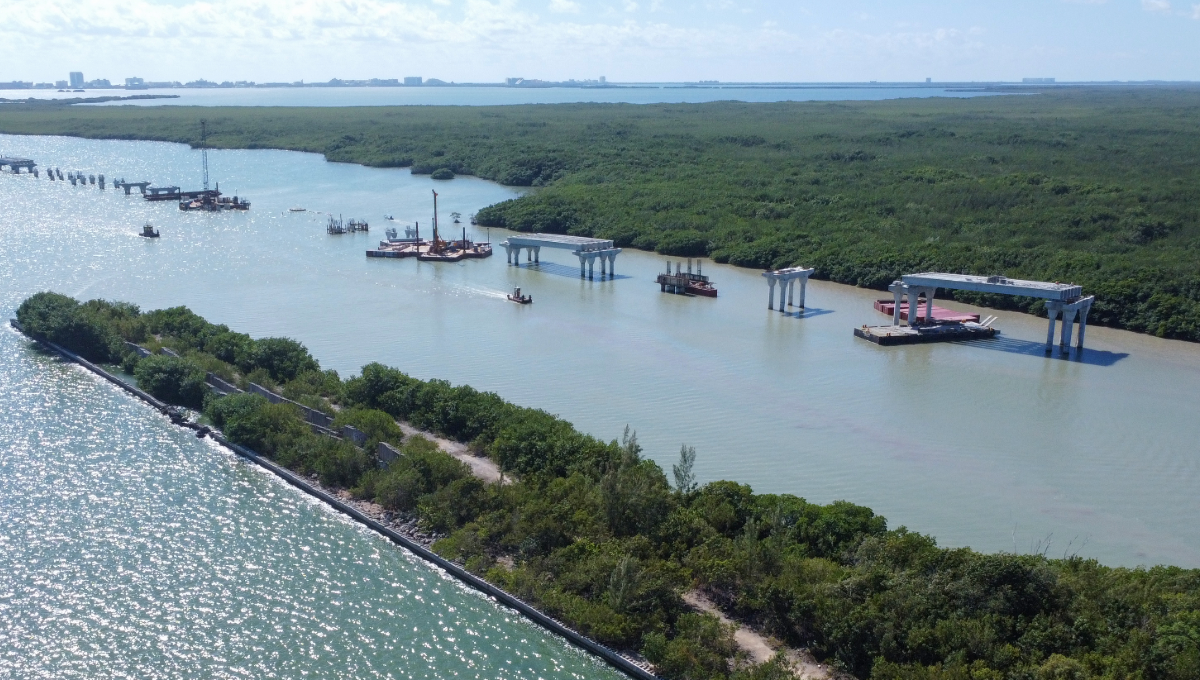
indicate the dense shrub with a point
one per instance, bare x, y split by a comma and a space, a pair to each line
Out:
282, 358
174, 380
79, 328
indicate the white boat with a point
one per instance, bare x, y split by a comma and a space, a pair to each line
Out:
296, 209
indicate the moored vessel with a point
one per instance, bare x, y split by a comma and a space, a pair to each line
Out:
686, 283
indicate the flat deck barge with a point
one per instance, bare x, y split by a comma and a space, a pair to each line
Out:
887, 336
451, 251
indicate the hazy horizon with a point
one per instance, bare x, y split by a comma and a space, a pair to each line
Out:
630, 41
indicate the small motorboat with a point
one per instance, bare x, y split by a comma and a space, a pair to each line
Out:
296, 209
390, 218
520, 299
149, 231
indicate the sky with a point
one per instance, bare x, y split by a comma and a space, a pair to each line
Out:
623, 40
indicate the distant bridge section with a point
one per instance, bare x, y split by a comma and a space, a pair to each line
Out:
15, 164
1065, 299
587, 249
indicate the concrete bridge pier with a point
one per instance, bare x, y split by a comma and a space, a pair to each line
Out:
787, 279
1070, 311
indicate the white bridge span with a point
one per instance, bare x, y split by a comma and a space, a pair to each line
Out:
1066, 299
587, 249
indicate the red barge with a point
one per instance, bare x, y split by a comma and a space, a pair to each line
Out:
939, 313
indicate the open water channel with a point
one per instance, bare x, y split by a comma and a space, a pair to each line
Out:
125, 542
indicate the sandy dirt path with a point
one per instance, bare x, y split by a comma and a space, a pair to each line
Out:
483, 468
758, 647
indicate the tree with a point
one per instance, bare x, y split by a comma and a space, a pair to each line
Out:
172, 379
283, 358
685, 479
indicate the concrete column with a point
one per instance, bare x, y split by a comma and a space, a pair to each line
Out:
1068, 327
914, 305
612, 265
791, 290
537, 254
603, 266
929, 304
1052, 312
771, 299
582, 260
897, 298
591, 261
803, 289
1083, 313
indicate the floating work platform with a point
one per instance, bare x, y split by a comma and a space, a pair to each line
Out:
939, 313
912, 335
686, 283
450, 251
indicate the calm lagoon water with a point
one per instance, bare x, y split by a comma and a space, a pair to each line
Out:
129, 548
496, 96
125, 538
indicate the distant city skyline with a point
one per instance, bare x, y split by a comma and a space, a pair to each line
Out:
625, 40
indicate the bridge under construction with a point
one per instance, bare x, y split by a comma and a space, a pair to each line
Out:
588, 250
1065, 300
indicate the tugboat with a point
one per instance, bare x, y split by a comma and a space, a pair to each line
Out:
686, 283
149, 231
520, 299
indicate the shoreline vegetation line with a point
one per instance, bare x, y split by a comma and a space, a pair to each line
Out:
590, 541
1095, 186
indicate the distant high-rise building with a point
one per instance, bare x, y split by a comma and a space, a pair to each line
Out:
60, 84
513, 81
134, 82
412, 80
76, 79
929, 80
603, 79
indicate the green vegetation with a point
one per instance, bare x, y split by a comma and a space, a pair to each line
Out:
593, 534
1098, 187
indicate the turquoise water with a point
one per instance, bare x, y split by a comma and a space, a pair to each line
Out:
496, 96
988, 445
129, 548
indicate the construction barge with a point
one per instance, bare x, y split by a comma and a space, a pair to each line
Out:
948, 331
686, 283
339, 227
435, 250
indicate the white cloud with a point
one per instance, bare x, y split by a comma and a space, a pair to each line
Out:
630, 6
564, 7
1196, 12
1156, 5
